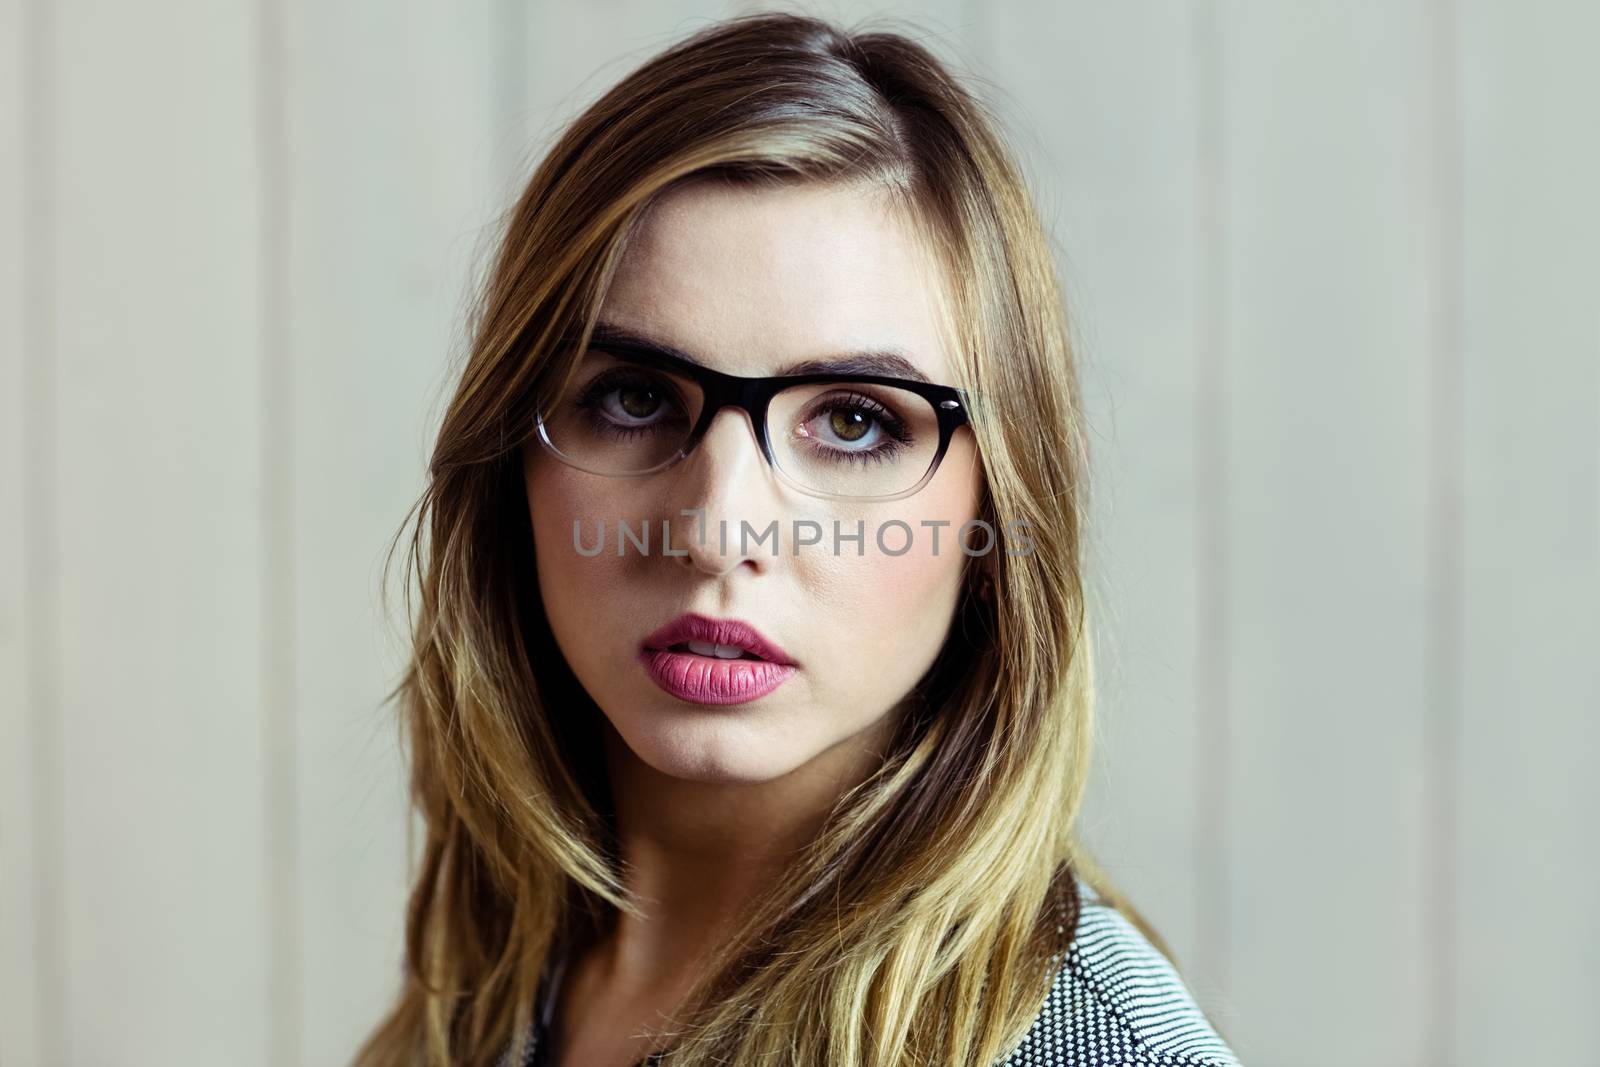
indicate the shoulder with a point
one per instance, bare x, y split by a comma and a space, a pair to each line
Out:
1118, 1002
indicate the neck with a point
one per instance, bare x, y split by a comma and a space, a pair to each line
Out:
696, 853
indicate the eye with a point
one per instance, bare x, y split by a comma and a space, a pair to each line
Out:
628, 400
853, 424
636, 401
850, 425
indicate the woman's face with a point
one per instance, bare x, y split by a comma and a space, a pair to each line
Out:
749, 282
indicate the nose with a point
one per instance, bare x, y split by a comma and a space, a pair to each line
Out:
727, 482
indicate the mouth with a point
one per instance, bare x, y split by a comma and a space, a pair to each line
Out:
713, 650
706, 661
716, 639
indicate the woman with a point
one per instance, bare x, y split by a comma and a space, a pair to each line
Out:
750, 704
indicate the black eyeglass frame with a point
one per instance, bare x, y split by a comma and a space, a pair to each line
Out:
754, 395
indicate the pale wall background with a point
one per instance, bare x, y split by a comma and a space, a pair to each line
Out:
1334, 267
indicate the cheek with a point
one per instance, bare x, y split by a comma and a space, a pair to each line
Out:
552, 511
888, 615
882, 619
575, 588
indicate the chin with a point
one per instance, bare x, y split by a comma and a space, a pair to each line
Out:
712, 745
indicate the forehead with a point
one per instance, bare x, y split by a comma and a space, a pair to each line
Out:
751, 280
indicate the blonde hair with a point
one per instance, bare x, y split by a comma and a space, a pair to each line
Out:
925, 922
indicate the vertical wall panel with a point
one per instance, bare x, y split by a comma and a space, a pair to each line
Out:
389, 182
1326, 360
22, 468
1527, 961
1110, 127
1332, 272
154, 311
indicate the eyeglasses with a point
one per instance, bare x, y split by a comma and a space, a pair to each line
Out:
631, 409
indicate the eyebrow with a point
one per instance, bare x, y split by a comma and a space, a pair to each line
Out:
889, 362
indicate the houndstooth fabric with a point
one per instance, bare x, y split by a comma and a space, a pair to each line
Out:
1116, 1002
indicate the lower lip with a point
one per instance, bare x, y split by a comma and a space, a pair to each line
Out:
708, 680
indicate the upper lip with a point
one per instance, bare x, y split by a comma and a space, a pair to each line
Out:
695, 627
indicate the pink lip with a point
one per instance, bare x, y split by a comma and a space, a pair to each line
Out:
706, 679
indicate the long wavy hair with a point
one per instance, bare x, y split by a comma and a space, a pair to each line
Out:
925, 922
